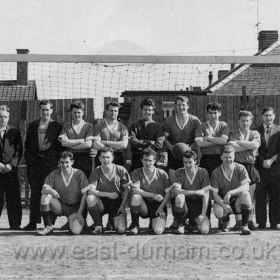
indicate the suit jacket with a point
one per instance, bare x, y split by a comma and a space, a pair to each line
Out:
52, 146
11, 149
268, 151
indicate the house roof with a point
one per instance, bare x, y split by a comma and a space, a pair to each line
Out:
259, 79
10, 91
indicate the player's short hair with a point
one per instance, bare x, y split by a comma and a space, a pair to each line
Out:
106, 149
148, 152
45, 102
267, 109
113, 104
244, 113
5, 107
77, 105
147, 102
66, 154
182, 98
228, 149
214, 106
190, 154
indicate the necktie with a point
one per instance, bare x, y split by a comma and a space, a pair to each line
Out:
268, 129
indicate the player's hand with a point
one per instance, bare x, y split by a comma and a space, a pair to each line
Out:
158, 197
169, 188
267, 163
227, 209
93, 152
227, 198
200, 218
113, 195
121, 210
200, 192
55, 194
208, 188
160, 213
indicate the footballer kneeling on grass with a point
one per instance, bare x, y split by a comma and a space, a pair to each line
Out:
230, 185
151, 192
108, 192
191, 188
64, 194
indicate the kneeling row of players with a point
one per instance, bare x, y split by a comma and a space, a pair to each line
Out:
67, 192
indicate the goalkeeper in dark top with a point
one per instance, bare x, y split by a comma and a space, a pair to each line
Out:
145, 133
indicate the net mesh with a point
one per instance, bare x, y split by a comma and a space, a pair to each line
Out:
99, 80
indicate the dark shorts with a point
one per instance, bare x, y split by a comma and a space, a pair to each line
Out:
69, 209
174, 163
210, 162
194, 209
232, 202
252, 172
153, 206
111, 206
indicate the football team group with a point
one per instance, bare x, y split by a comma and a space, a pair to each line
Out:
77, 170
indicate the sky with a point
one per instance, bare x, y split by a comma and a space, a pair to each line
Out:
170, 27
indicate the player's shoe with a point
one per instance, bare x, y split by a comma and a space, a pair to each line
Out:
134, 230
30, 226
261, 226
181, 229
245, 230
98, 230
225, 223
110, 226
65, 226
237, 226
192, 227
45, 231
252, 225
174, 225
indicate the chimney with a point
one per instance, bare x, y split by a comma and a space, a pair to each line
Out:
210, 78
267, 38
22, 69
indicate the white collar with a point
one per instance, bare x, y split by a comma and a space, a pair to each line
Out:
184, 124
69, 179
106, 175
146, 176
230, 176
191, 179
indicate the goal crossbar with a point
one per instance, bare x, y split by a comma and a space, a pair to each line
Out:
146, 59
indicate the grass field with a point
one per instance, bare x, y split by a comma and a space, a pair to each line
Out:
146, 256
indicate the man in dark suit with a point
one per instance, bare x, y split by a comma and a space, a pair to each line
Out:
42, 149
11, 150
268, 163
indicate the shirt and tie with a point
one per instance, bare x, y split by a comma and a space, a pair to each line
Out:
267, 132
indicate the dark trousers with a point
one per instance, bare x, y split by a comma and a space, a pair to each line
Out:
210, 162
83, 161
269, 187
36, 176
9, 185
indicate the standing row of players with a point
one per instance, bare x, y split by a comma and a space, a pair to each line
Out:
45, 137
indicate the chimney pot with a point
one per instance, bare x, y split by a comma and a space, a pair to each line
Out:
22, 69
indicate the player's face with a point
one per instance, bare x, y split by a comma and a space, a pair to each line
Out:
77, 114
46, 112
4, 118
106, 158
189, 163
112, 113
181, 107
148, 161
213, 115
228, 158
245, 122
268, 118
147, 112
65, 164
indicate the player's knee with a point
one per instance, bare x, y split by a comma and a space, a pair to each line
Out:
136, 199
179, 200
218, 211
245, 197
91, 200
